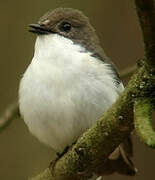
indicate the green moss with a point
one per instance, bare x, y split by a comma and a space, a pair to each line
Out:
143, 111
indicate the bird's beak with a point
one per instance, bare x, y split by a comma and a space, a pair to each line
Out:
39, 29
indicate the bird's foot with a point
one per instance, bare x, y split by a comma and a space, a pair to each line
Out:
59, 155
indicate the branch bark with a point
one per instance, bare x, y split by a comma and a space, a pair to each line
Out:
146, 14
10, 113
143, 115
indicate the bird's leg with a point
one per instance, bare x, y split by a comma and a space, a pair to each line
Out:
59, 155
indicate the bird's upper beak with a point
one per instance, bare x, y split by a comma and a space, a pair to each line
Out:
39, 29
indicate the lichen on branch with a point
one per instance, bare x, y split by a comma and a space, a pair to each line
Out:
143, 121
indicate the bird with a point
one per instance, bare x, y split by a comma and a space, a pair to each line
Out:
69, 84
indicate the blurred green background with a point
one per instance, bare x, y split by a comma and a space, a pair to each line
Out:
21, 155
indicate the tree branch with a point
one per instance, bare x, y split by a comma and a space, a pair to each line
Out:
10, 113
45, 175
143, 126
146, 14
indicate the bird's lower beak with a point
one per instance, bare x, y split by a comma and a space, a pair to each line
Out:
39, 29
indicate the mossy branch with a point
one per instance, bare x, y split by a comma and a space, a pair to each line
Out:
10, 113
143, 116
146, 14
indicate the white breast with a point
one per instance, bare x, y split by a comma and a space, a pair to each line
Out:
64, 90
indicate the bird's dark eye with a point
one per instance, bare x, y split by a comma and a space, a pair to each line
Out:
65, 26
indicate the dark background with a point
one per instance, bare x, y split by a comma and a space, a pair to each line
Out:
21, 155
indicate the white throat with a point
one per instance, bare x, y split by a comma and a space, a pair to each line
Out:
56, 45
